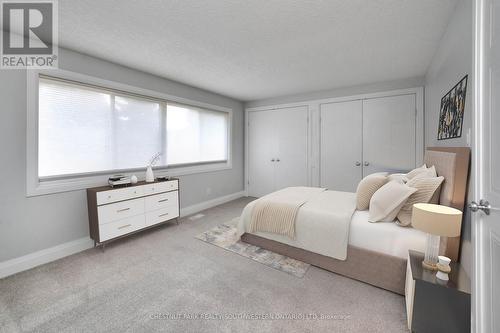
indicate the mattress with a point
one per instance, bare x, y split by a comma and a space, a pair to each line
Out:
384, 237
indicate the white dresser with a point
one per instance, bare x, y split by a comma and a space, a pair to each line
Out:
117, 212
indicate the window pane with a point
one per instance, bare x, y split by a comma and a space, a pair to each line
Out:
137, 128
74, 130
86, 130
195, 135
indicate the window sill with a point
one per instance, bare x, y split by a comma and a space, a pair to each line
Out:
37, 187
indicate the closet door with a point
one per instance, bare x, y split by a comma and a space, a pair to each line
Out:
291, 160
389, 134
262, 150
340, 145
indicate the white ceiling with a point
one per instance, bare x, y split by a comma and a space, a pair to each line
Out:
256, 49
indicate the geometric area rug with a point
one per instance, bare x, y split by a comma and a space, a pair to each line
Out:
224, 236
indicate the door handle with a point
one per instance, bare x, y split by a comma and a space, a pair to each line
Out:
366, 163
272, 160
483, 205
278, 160
357, 163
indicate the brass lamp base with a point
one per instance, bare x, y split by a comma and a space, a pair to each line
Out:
429, 265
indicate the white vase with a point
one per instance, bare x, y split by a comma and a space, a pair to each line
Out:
150, 177
134, 179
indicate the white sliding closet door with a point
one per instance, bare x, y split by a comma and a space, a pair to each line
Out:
389, 134
262, 148
291, 159
340, 146
277, 149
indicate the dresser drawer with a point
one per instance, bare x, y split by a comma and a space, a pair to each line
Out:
159, 187
162, 200
121, 227
162, 215
120, 194
120, 210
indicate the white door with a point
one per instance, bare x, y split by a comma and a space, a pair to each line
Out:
262, 149
486, 158
291, 158
340, 145
389, 134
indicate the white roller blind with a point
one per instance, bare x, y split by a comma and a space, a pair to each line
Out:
85, 129
196, 135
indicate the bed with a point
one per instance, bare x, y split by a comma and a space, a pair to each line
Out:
376, 253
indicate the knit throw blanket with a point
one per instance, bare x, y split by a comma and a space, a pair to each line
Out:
276, 212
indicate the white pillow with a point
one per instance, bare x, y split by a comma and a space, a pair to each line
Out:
416, 171
398, 177
388, 200
426, 187
367, 187
422, 172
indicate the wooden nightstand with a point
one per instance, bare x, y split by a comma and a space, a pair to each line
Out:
433, 305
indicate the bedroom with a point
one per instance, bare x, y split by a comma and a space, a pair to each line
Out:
210, 110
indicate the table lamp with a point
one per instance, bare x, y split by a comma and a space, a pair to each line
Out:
436, 221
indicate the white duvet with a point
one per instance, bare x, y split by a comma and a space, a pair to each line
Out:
321, 226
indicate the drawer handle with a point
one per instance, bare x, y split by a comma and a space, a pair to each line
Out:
163, 215
163, 200
122, 210
125, 226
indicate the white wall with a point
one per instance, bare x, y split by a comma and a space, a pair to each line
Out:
452, 61
32, 224
347, 91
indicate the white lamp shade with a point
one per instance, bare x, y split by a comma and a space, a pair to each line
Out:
436, 219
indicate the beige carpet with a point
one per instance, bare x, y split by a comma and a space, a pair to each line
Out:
166, 280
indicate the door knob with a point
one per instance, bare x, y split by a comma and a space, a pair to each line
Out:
278, 160
483, 205
358, 163
272, 160
367, 163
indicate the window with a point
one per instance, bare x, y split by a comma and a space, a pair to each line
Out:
84, 130
195, 135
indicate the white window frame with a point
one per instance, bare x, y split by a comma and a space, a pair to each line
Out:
35, 186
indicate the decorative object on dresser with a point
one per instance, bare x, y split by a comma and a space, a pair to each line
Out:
118, 212
150, 177
436, 221
119, 180
434, 305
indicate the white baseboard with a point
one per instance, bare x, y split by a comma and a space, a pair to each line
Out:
41, 257
210, 203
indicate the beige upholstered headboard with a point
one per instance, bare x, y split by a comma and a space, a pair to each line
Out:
453, 164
